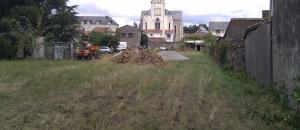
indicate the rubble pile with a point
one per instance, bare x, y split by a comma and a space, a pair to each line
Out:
138, 56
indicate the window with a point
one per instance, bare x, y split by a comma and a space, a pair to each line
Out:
169, 36
146, 26
123, 35
85, 22
218, 31
175, 28
130, 35
151, 35
157, 24
169, 26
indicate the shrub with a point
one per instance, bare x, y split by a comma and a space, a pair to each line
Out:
7, 49
219, 51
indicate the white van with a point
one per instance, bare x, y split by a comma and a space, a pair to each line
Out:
122, 46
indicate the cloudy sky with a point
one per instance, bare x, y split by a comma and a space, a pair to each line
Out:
194, 11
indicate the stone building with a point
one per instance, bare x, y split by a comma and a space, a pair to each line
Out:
273, 48
90, 23
160, 23
130, 34
218, 28
235, 36
286, 46
259, 52
238, 27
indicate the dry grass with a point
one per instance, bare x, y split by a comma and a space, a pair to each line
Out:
92, 95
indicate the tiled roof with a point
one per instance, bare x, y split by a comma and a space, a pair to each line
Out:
177, 15
238, 26
218, 25
106, 20
102, 30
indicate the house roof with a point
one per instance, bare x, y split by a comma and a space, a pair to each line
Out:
128, 28
106, 20
102, 30
177, 15
238, 26
255, 26
218, 25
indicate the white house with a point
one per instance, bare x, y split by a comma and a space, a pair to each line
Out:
90, 23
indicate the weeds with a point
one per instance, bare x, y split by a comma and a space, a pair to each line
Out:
195, 94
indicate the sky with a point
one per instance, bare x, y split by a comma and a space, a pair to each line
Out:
194, 11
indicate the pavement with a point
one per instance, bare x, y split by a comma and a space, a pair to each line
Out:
172, 56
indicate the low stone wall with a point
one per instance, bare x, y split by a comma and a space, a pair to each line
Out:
236, 54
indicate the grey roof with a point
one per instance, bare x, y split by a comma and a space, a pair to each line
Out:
177, 15
101, 19
218, 25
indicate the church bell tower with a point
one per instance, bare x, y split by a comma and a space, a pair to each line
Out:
158, 7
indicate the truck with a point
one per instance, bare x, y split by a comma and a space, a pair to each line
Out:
88, 53
122, 46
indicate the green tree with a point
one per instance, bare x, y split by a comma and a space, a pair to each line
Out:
94, 38
191, 29
22, 21
102, 39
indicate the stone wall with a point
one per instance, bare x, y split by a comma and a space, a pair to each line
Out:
230, 53
286, 48
236, 54
133, 41
258, 53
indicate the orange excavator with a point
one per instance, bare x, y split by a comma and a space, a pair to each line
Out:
90, 52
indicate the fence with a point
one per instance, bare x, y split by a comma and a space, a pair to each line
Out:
58, 50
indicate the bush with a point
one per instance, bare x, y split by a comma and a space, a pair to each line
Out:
7, 49
101, 39
219, 51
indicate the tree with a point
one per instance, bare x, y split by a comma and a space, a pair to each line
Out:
22, 21
62, 26
102, 39
110, 41
194, 28
94, 38
144, 40
191, 29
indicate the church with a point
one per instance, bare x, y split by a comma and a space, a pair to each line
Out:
160, 23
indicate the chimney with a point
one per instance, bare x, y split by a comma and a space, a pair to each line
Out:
265, 13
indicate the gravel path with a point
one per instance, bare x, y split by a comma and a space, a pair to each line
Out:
172, 56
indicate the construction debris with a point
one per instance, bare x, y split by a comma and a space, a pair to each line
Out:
138, 56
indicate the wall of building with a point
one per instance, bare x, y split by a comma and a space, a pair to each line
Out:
179, 31
258, 54
131, 42
286, 40
214, 32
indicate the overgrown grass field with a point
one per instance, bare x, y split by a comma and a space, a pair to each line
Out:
73, 95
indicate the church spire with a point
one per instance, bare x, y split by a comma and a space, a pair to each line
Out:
158, 7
